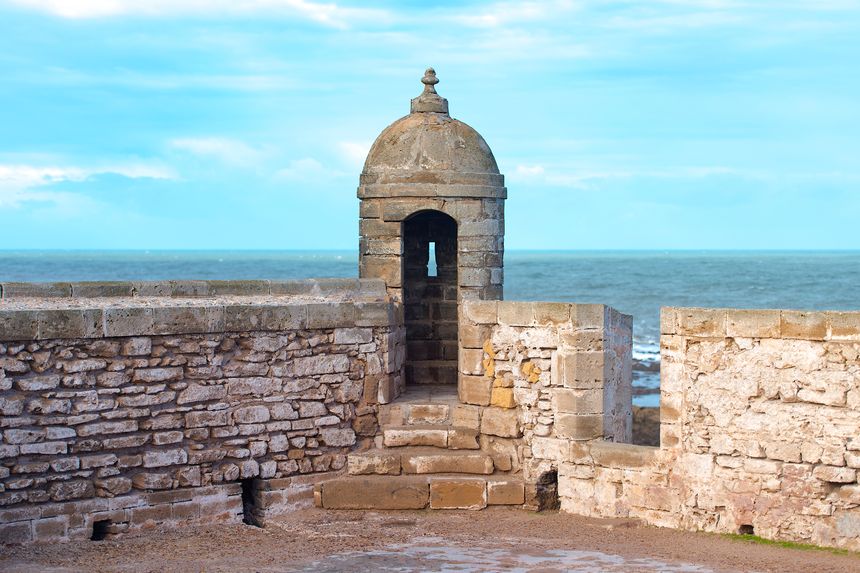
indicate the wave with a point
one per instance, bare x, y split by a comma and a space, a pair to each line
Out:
646, 351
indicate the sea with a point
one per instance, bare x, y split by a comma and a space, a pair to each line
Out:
633, 282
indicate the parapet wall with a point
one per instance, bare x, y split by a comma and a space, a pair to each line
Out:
554, 373
760, 431
142, 410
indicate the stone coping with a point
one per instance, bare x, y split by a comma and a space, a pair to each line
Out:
44, 319
535, 313
744, 323
342, 288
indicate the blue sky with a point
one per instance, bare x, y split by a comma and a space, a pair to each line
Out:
244, 123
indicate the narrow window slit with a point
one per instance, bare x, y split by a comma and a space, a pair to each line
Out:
432, 271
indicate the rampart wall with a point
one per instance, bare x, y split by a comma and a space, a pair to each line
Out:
760, 416
551, 373
141, 404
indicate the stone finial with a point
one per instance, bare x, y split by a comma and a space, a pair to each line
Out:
430, 80
429, 101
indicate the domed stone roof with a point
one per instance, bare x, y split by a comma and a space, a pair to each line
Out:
428, 142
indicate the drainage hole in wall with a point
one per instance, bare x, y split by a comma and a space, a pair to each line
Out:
250, 496
100, 529
746, 530
546, 489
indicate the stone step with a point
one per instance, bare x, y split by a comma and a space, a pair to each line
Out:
418, 461
450, 437
446, 462
419, 492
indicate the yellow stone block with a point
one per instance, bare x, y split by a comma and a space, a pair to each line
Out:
531, 372
489, 362
503, 398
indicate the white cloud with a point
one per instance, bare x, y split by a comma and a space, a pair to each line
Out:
526, 171
504, 13
304, 169
229, 151
354, 152
20, 184
325, 13
588, 178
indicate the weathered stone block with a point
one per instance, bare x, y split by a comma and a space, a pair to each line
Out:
588, 401
580, 369
72, 489
551, 312
803, 325
373, 463
832, 474
844, 325
199, 393
474, 336
753, 323
501, 422
615, 455
353, 335
588, 316
704, 322
161, 458
579, 427
475, 390
156, 374
458, 494
446, 462
471, 361
320, 364
396, 437
505, 492
427, 413
331, 315
375, 493
206, 418
337, 437
515, 313
251, 415
503, 398
465, 416
481, 311
463, 439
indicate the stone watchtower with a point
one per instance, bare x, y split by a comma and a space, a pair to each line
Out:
432, 226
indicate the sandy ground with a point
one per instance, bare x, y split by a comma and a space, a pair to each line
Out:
491, 540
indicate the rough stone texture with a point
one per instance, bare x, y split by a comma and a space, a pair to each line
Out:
376, 493
448, 462
505, 492
760, 417
462, 493
550, 373
98, 419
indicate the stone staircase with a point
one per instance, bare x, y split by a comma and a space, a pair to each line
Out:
427, 454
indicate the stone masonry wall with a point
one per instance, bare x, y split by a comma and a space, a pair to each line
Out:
760, 431
151, 410
549, 374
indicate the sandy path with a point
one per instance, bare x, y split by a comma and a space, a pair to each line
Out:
490, 540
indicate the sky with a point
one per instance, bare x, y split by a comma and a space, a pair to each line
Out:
244, 124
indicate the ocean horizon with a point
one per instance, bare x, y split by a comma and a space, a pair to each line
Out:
636, 282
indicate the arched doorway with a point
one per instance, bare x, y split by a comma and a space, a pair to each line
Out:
430, 298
